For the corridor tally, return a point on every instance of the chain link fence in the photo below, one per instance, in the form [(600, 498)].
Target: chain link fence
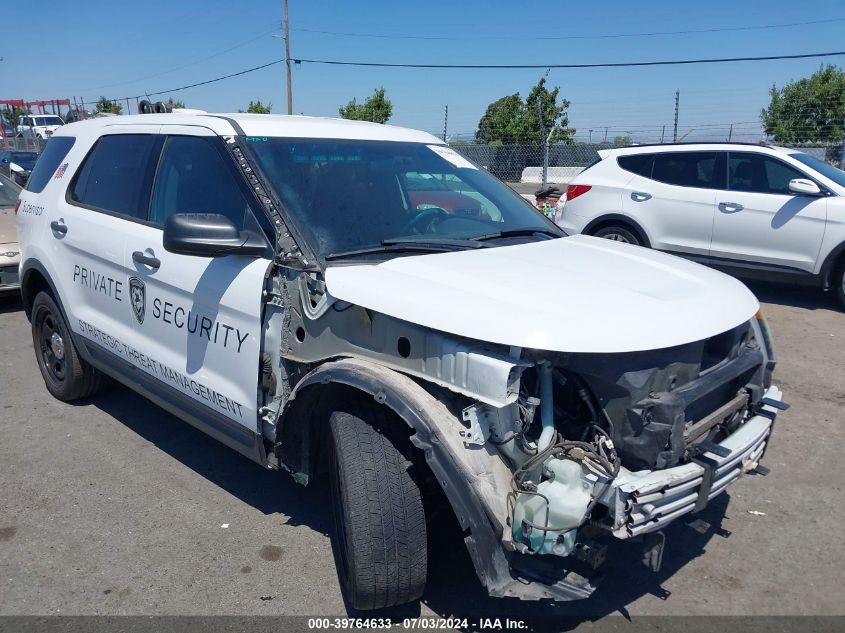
[(525, 163), (21, 143), (523, 166)]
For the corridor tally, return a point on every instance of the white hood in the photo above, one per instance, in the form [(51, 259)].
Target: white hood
[(577, 294)]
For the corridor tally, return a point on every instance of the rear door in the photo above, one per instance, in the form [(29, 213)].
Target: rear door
[(759, 220), (107, 197), (673, 196), (197, 320)]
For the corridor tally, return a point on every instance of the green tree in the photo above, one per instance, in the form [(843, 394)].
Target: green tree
[(377, 108), (104, 104), (256, 107), (808, 110), (511, 119), (622, 140), (170, 103), (13, 115)]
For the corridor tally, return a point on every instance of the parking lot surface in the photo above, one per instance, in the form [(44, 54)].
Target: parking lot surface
[(112, 506)]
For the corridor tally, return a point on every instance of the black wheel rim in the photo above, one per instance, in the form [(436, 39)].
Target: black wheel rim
[(49, 328), (616, 237)]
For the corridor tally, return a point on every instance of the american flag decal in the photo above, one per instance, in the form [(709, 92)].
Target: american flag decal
[(60, 171)]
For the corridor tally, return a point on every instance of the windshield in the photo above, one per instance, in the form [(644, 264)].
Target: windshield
[(47, 120), (826, 170), (9, 192), (352, 194)]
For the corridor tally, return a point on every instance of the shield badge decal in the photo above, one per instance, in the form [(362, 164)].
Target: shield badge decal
[(138, 298)]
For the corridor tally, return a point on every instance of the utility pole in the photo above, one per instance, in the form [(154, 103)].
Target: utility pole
[(287, 59), (445, 122), (730, 133), (677, 105), (591, 137), (662, 133)]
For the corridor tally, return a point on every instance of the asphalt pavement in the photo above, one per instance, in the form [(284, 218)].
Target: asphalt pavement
[(112, 506)]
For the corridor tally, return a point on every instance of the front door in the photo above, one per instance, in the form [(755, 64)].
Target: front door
[(198, 319), (759, 220)]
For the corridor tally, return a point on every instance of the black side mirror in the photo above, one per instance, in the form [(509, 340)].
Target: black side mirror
[(210, 235)]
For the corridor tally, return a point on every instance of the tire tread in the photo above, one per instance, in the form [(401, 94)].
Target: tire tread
[(385, 530)]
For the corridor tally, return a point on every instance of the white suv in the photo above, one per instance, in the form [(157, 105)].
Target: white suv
[(288, 285), (754, 210)]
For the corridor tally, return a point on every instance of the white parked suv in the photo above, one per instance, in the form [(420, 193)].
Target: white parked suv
[(287, 285), (756, 211), (39, 125)]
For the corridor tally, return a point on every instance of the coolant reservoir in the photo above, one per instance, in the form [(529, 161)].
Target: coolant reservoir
[(568, 492)]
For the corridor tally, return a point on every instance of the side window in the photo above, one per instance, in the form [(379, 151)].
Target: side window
[(54, 153), (194, 177), (637, 164), (117, 174), (705, 170), (760, 174)]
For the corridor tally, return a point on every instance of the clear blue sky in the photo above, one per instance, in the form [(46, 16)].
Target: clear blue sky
[(87, 49)]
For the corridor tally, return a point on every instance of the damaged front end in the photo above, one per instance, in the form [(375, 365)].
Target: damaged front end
[(544, 456), (627, 443)]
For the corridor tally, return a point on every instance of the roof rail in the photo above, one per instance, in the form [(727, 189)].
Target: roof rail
[(670, 144)]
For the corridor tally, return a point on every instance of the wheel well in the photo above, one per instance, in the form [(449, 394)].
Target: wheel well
[(33, 283), (833, 263), (618, 220), (302, 436)]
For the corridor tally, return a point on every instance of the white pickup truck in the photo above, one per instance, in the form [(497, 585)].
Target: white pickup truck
[(39, 125)]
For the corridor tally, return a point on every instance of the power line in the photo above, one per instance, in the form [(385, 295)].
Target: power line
[(485, 67), (193, 63), (195, 85), (674, 62), (568, 37)]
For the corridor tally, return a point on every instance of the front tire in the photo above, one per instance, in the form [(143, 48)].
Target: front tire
[(378, 509), (67, 376), (618, 233)]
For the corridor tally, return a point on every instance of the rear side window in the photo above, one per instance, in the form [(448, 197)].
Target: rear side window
[(637, 164), (705, 170), (117, 174), (47, 164), (760, 174)]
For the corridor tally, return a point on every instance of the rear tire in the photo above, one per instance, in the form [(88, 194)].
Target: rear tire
[(378, 509), (67, 376), (839, 283), (618, 233)]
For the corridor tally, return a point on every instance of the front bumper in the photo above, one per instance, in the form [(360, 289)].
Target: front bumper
[(646, 500), (9, 274), (640, 502)]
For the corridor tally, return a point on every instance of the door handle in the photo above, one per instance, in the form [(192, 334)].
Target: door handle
[(59, 226), (640, 196), (730, 207), (146, 260)]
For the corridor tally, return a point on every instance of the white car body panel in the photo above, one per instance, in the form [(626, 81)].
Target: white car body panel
[(576, 294)]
